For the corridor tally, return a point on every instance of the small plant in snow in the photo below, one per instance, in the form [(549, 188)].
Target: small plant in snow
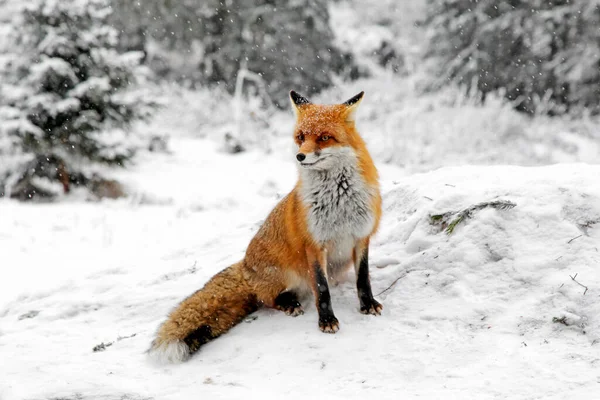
[(449, 220), (561, 320), (65, 99)]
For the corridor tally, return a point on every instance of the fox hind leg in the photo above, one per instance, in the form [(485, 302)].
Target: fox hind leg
[(287, 302)]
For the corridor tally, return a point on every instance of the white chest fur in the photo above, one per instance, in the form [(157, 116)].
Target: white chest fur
[(339, 204)]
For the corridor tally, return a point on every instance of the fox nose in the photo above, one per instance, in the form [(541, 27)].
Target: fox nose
[(300, 157)]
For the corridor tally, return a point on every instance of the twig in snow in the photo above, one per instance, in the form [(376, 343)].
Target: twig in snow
[(119, 338), (447, 184), (392, 284), (102, 346), (389, 287), (177, 274), (30, 314), (428, 198), (579, 283), (576, 237)]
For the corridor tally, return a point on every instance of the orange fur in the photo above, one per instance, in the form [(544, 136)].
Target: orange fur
[(281, 254)]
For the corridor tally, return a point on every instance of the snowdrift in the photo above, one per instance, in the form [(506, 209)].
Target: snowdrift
[(495, 301)]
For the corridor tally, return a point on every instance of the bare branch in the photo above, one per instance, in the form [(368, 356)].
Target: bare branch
[(576, 237), (393, 283), (579, 283)]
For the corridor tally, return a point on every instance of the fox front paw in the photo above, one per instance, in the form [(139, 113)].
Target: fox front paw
[(371, 306), (329, 324)]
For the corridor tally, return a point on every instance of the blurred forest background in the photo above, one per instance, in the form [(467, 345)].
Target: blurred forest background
[(86, 85)]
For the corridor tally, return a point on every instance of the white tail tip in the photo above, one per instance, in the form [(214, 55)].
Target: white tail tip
[(173, 352)]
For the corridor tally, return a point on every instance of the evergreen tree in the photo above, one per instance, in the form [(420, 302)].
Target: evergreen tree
[(288, 43), (65, 98), (544, 55)]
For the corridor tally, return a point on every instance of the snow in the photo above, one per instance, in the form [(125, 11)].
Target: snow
[(52, 66), (94, 86), (466, 315), (56, 45), (505, 306)]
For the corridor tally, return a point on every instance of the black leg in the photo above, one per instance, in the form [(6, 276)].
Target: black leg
[(368, 305), (288, 303), (327, 321)]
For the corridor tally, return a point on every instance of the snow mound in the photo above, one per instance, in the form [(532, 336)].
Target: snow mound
[(518, 270)]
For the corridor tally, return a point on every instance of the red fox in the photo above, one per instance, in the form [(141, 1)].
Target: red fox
[(313, 235)]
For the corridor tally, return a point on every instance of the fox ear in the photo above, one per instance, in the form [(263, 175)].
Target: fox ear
[(351, 106), (298, 101)]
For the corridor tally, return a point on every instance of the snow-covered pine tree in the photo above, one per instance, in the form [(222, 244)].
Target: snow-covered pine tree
[(543, 55), (65, 98)]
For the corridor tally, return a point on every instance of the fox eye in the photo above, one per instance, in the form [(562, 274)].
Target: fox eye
[(300, 137), (325, 138)]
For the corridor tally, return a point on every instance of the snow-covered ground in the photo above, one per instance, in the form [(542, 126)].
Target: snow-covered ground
[(505, 307), (489, 311)]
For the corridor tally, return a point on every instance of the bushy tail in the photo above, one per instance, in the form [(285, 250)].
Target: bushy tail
[(222, 303)]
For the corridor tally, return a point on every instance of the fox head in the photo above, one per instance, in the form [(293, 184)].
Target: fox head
[(325, 134)]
